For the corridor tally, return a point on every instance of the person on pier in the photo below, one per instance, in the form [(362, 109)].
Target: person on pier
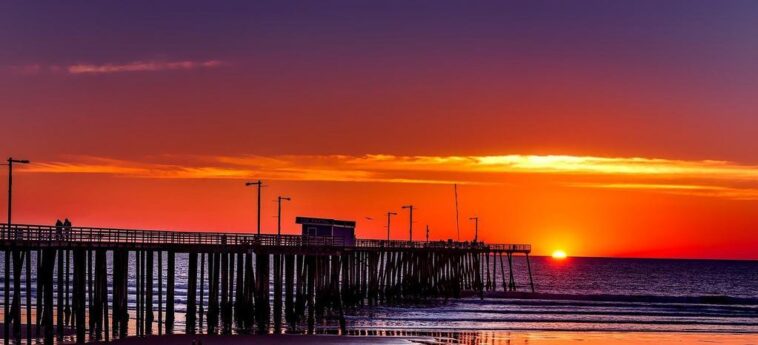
[(67, 229), (58, 230)]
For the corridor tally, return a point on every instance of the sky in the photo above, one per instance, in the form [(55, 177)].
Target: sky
[(601, 128)]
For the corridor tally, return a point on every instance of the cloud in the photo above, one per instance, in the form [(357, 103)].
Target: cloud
[(141, 66), (681, 189), (693, 177), (110, 68)]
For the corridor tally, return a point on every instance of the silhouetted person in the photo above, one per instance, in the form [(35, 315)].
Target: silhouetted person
[(67, 228), (58, 230)]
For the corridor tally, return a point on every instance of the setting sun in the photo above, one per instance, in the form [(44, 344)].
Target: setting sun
[(559, 254)]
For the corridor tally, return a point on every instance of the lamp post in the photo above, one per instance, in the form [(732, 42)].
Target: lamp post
[(259, 184), (6, 326), (410, 223), (389, 214), (476, 227), (279, 215), (11, 161)]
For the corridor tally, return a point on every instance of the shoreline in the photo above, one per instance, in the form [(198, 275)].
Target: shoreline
[(702, 299)]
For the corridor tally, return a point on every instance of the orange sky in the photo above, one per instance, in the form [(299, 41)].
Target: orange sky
[(604, 129), (585, 205)]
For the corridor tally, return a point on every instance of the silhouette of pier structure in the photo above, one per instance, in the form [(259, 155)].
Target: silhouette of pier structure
[(82, 278)]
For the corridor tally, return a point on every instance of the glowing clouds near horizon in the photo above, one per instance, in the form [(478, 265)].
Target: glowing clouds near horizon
[(700, 178), (548, 201)]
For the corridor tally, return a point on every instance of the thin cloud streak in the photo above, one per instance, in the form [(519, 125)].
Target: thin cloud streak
[(680, 189), (141, 66), (662, 175), (111, 68)]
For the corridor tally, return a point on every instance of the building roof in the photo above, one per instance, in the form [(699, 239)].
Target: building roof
[(325, 221)]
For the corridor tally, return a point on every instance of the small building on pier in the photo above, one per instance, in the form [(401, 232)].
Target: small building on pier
[(344, 229)]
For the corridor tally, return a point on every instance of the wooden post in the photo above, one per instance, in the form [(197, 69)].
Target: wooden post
[(117, 265), (214, 260), (262, 300), (29, 296), (224, 291), (502, 272), (100, 294), (124, 308), (149, 317), (159, 277), (60, 287), (171, 267), (277, 293), (239, 292), (138, 291), (300, 301), (511, 281), (48, 267), (80, 287), (311, 266), (40, 295), (249, 309), (289, 281), (6, 296), (90, 290), (529, 267), (67, 287), (202, 287), (191, 290), (18, 266)]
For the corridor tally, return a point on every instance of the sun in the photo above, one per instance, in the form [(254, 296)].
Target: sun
[(559, 255)]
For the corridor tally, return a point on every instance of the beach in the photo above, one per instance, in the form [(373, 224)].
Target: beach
[(539, 338)]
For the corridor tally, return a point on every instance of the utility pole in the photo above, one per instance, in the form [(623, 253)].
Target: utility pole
[(10, 188), (259, 184), (457, 224), (389, 214), (279, 215), (476, 227), (427, 233), (410, 224)]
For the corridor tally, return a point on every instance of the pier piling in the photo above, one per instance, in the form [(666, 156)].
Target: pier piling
[(313, 279)]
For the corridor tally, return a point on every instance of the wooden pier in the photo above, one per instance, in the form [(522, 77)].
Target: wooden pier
[(236, 282)]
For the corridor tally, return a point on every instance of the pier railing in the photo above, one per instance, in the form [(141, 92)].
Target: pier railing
[(47, 233), (399, 244), (26, 232)]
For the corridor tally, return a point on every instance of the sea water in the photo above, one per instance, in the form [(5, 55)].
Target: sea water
[(575, 294)]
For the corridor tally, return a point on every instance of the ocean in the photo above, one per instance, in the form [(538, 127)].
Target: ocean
[(575, 294), (598, 294)]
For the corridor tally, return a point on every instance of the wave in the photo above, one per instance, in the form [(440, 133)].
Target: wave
[(698, 299)]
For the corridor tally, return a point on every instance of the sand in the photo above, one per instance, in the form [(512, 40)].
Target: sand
[(271, 340), (487, 337)]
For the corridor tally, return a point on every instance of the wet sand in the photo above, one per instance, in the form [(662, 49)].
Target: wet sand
[(617, 338), (66, 331), (272, 340), (499, 337)]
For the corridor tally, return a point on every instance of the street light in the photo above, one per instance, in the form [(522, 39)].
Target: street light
[(10, 188), (389, 214), (476, 227), (259, 184), (410, 226), (6, 328), (279, 215)]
